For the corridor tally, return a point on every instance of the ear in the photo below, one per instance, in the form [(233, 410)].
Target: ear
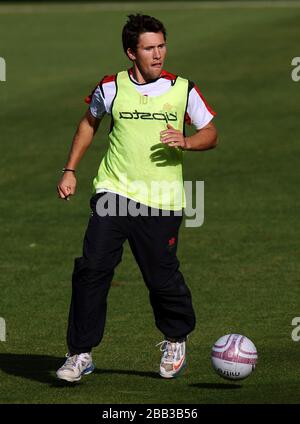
[(130, 54)]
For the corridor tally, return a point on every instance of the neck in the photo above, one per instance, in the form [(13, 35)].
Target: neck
[(139, 76)]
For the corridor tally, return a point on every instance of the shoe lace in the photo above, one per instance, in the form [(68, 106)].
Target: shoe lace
[(73, 360), (168, 348)]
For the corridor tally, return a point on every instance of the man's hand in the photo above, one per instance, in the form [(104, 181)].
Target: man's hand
[(173, 137), (67, 185), (203, 139)]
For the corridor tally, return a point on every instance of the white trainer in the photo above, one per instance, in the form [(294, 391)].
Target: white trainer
[(173, 359), (75, 366)]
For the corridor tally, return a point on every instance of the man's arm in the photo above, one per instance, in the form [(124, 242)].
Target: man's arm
[(203, 139), (81, 141)]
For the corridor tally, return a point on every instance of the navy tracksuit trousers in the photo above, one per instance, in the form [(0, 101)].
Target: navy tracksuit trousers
[(153, 241)]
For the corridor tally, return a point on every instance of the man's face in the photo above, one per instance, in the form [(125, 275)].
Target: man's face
[(150, 54)]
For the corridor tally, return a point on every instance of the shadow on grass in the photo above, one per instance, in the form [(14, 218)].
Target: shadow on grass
[(42, 368), (216, 386)]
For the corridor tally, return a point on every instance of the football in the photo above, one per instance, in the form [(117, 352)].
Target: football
[(234, 356)]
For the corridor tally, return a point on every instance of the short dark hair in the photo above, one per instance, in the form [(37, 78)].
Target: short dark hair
[(136, 25)]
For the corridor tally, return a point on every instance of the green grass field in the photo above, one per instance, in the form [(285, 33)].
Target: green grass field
[(242, 265)]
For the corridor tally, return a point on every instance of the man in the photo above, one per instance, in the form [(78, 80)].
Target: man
[(148, 107)]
